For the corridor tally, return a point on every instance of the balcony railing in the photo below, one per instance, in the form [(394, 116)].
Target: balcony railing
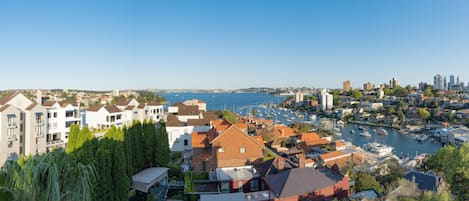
[(55, 142), (12, 125), (11, 137)]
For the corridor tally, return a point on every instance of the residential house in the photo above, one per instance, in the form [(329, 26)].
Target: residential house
[(238, 179), (60, 117), (99, 116), (230, 147), (182, 120), (341, 158), (424, 181), (307, 184)]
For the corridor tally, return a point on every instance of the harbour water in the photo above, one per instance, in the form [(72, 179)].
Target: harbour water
[(244, 103), (404, 144)]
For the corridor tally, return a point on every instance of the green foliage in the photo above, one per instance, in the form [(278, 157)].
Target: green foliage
[(146, 96), (228, 115), (53, 176), (151, 197), (77, 137), (454, 163), (357, 94), (428, 92), (366, 181), (163, 154), (423, 113)]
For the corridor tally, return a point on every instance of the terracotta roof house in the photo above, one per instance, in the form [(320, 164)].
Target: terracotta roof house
[(307, 184), (229, 148), (341, 158)]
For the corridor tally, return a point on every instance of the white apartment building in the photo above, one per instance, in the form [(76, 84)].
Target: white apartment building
[(133, 110), (60, 117), (22, 127), (182, 120), (99, 116), (327, 100)]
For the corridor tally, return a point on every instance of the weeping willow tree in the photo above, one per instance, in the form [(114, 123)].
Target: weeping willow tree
[(50, 177)]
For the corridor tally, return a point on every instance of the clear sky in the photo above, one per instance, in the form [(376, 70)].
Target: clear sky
[(91, 44)]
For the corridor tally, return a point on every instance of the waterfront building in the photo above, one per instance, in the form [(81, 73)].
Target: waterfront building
[(22, 127), (299, 97), (346, 86), (200, 103), (60, 117)]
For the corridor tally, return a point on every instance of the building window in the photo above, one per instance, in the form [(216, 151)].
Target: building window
[(11, 120), (242, 149), (21, 127), (11, 134), (48, 115), (38, 118), (225, 187), (221, 150), (55, 125), (119, 117), (254, 185), (186, 142), (240, 186), (21, 116), (55, 114), (69, 114), (39, 130)]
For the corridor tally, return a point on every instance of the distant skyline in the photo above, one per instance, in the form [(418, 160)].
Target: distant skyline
[(105, 45)]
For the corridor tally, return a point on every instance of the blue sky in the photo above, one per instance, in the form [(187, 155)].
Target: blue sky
[(229, 44)]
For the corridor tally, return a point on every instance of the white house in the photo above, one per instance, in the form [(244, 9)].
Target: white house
[(99, 116), (60, 117)]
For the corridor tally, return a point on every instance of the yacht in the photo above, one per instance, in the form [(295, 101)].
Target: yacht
[(361, 128), (421, 137), (338, 134), (381, 131), (380, 149), (365, 134), (352, 131)]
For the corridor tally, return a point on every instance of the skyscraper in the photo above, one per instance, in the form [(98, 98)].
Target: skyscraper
[(438, 82), (451, 80), (346, 86), (367, 86), (393, 83), (326, 100)]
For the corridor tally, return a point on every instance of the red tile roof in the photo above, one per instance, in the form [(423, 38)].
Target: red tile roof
[(199, 140)]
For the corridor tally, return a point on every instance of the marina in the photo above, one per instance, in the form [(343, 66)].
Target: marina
[(402, 140)]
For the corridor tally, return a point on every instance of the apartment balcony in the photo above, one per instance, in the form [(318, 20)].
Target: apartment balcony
[(12, 125), (11, 138), (55, 142)]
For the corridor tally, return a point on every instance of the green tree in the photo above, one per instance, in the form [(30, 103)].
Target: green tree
[(428, 92), (366, 181), (163, 153), (53, 176), (423, 113), (73, 138), (357, 94), (228, 115)]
